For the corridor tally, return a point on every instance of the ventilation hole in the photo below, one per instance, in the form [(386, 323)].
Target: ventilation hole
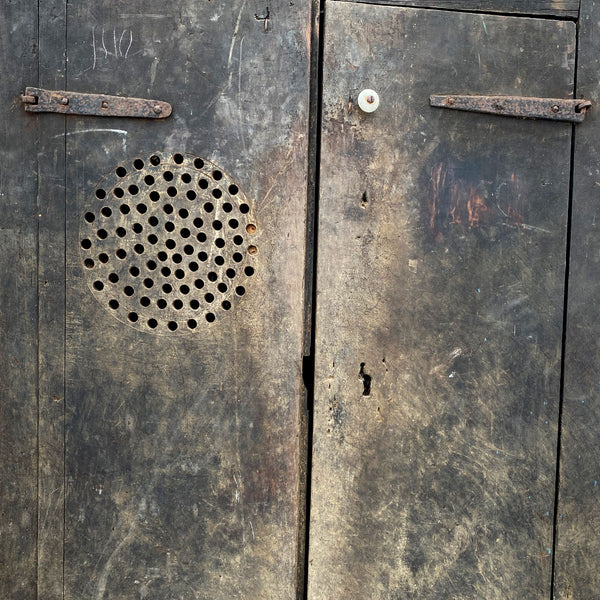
[(202, 256), (238, 240), (192, 323), (240, 290), (222, 287), (217, 225), (168, 176), (98, 285), (178, 158), (194, 304), (134, 271), (183, 213), (120, 231), (152, 323), (118, 192), (177, 258), (210, 317), (138, 163), (103, 258), (251, 228), (199, 283), (184, 289), (227, 207), (233, 223), (219, 260), (100, 194), (177, 304), (185, 233), (133, 189), (233, 189), (193, 266), (170, 226), (151, 265), (137, 228), (121, 253), (141, 208), (198, 163), (220, 243), (90, 217), (114, 304), (149, 180), (124, 208), (170, 244), (244, 209), (230, 273), (212, 276), (172, 191), (86, 244), (172, 325), (154, 196), (167, 288), (191, 195), (189, 250), (145, 301), (162, 256), (102, 234), (161, 303), (138, 249), (217, 193), (186, 178), (237, 257), (165, 272), (209, 298), (203, 184), (252, 250), (155, 160), (152, 239), (217, 175), (168, 208), (133, 317), (113, 278), (201, 237), (226, 304), (179, 274), (128, 290), (121, 171), (198, 222), (148, 282), (153, 221), (249, 271), (89, 263), (209, 207), (106, 211)]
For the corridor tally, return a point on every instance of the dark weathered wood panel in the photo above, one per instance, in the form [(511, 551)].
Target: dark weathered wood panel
[(578, 515), (51, 286), (439, 308), (18, 304), (551, 8), (183, 451)]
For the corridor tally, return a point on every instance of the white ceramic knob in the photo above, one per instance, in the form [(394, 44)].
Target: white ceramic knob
[(368, 100)]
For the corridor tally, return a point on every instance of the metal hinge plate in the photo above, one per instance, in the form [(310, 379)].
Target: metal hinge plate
[(517, 106), (99, 105)]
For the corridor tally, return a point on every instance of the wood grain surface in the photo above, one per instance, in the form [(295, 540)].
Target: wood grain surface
[(439, 308)]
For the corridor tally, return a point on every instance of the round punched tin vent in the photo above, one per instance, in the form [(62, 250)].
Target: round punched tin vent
[(166, 243)]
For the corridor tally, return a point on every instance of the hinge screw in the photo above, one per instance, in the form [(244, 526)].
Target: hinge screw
[(104, 104), (64, 101), (450, 101), (555, 108), (157, 109)]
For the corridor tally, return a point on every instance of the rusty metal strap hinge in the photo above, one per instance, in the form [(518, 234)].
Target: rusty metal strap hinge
[(554, 109), (99, 105)]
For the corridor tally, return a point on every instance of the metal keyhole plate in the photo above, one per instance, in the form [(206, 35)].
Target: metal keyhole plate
[(166, 243)]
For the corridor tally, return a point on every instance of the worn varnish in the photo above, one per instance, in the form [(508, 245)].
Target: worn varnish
[(578, 511), (439, 308)]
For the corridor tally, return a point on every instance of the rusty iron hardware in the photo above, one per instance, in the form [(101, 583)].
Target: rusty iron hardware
[(99, 105), (517, 106)]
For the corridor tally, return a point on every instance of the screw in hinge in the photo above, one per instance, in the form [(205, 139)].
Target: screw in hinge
[(64, 101), (556, 108), (104, 104), (157, 109), (450, 101)]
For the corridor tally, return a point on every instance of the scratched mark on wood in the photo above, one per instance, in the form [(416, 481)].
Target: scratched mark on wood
[(440, 293), (182, 456)]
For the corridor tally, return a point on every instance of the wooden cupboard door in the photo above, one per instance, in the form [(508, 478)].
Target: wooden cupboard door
[(440, 290)]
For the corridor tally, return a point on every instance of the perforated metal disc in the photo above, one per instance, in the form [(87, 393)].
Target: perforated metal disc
[(166, 243)]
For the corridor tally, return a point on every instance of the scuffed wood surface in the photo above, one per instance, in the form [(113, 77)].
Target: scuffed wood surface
[(551, 8), (18, 305), (182, 453), (578, 516), (439, 309)]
